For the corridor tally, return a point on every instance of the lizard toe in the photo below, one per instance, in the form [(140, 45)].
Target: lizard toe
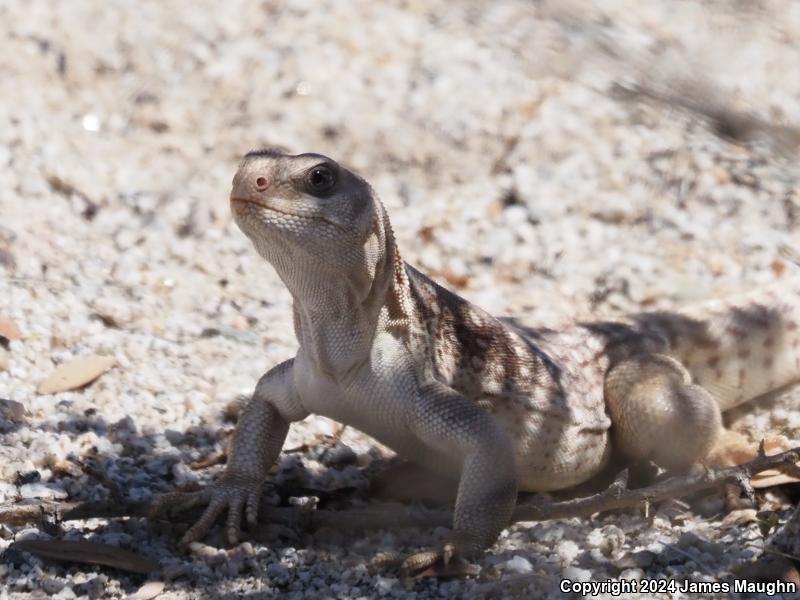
[(251, 507), (199, 529), (233, 528), (233, 493), (444, 561)]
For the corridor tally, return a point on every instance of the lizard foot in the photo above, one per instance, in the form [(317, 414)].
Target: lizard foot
[(444, 561), (232, 492)]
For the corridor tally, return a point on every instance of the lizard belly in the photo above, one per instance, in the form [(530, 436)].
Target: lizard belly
[(555, 452)]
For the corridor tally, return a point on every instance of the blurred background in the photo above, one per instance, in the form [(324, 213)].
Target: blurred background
[(516, 144), (550, 159)]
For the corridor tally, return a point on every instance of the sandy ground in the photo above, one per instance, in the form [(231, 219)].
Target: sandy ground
[(551, 159)]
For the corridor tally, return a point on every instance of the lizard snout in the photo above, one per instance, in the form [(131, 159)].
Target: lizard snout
[(248, 184)]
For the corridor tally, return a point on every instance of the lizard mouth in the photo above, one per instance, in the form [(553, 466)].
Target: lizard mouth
[(261, 204), (236, 200)]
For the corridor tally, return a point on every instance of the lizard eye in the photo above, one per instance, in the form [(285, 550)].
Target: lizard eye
[(320, 179)]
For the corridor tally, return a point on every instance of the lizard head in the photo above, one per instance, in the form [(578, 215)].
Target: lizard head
[(316, 222)]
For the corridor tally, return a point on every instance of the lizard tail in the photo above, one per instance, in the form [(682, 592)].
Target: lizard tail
[(743, 347)]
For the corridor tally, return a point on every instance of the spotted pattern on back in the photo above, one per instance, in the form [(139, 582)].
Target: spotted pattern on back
[(556, 416)]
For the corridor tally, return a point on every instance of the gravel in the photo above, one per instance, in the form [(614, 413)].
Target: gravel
[(556, 159)]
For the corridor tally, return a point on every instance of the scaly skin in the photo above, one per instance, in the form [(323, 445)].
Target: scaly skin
[(499, 405)]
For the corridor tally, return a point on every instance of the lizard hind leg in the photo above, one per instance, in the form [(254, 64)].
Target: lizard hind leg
[(658, 414)]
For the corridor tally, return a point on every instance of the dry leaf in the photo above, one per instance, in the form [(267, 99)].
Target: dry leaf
[(735, 449), (148, 591), (76, 374), (87, 552), (9, 330), (771, 478), (736, 518)]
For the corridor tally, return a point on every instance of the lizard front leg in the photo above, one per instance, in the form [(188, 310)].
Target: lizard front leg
[(454, 427), (260, 433)]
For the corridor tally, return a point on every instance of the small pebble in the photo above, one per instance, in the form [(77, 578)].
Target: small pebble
[(518, 564), (576, 574), (42, 490), (567, 551)]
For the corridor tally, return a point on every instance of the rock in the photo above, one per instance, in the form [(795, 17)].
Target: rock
[(518, 564), (338, 455), (632, 574), (384, 585), (568, 551), (576, 574), (27, 477), (279, 575), (11, 409), (641, 559), (41, 490)]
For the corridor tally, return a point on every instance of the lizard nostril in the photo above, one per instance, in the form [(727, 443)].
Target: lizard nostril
[(261, 183)]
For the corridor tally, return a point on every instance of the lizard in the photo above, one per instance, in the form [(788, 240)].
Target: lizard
[(500, 406)]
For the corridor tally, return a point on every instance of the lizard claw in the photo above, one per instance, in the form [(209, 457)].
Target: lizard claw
[(234, 493)]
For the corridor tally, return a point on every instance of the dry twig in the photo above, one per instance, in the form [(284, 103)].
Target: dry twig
[(615, 497)]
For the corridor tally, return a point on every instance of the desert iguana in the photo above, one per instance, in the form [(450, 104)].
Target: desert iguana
[(497, 405)]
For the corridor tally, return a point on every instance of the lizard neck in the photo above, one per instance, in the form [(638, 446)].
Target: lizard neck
[(333, 331), (336, 319)]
